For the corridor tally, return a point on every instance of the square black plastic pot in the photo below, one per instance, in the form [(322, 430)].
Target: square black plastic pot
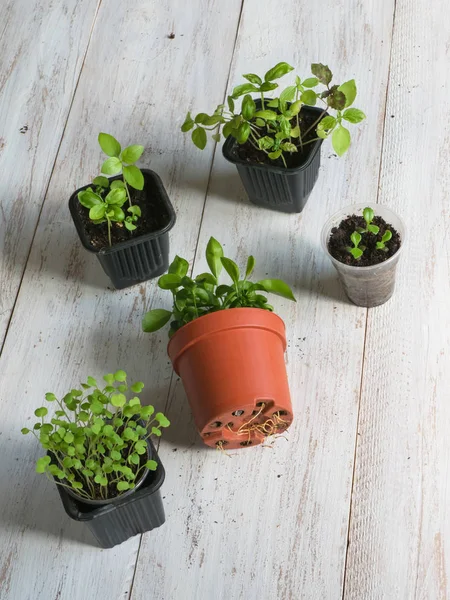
[(278, 188), (112, 524), (141, 258)]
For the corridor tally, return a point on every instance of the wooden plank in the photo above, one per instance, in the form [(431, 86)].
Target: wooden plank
[(137, 83), (42, 47), (273, 523), (400, 529)]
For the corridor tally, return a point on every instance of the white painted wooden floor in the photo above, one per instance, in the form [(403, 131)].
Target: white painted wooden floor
[(355, 504)]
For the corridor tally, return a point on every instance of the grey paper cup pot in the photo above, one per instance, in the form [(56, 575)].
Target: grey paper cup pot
[(366, 286)]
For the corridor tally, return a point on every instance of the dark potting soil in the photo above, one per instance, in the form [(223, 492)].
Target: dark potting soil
[(250, 154), (340, 240), (153, 218)]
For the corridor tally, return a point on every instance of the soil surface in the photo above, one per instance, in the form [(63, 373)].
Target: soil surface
[(250, 154), (154, 217), (340, 240)]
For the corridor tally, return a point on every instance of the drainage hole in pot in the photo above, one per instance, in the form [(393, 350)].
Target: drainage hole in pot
[(230, 425), (221, 443), (237, 413), (260, 403), (248, 443), (280, 413), (256, 412), (216, 424)]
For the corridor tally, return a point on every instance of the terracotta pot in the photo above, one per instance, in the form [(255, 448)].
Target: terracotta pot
[(232, 366)]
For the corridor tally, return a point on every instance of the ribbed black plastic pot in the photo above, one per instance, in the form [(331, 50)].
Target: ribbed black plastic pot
[(140, 258), (279, 188), (113, 523)]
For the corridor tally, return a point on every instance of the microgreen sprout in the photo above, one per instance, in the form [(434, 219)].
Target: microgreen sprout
[(195, 297), (105, 201), (96, 441), (387, 235), (355, 251), (275, 127), (369, 215)]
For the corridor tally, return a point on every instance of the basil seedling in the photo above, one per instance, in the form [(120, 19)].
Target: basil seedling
[(355, 251), (369, 215), (195, 297), (387, 235), (276, 127)]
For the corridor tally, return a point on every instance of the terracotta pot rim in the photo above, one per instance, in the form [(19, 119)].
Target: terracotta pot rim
[(229, 313)]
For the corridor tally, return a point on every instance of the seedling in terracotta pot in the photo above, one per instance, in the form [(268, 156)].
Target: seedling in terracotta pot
[(228, 349), (97, 439), (365, 248), (124, 219)]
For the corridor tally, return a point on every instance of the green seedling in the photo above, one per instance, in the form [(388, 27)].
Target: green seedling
[(369, 215), (275, 127), (387, 235), (195, 297), (356, 251), (96, 440), (105, 201)]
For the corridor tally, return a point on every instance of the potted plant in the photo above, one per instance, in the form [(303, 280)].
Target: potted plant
[(275, 142), (100, 456), (124, 219), (364, 244), (228, 348)]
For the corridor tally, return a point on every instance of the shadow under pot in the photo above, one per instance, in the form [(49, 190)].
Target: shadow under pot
[(270, 184), (369, 280), (134, 256), (231, 363), (133, 512)]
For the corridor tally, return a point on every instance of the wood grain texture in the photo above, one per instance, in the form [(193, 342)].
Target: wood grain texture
[(42, 47), (272, 523), (400, 526), (137, 83)]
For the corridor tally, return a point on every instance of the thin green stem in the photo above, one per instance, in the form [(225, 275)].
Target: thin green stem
[(129, 197), (109, 231), (262, 101), (315, 123)]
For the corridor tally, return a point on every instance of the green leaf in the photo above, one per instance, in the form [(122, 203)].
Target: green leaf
[(309, 97), (206, 278), (109, 145), (134, 177), (112, 166), (118, 400), (267, 115), (278, 287), (341, 140), (242, 133), (122, 486), (266, 142), (69, 437), (322, 72), (368, 214), (25, 430), (41, 412), (274, 155), (88, 198), (355, 238), (373, 229), (326, 124), (147, 411), (120, 375), (256, 79), (310, 82), (216, 137), (248, 107), (169, 281), (336, 100), (282, 68), (109, 378), (117, 183), (116, 196), (349, 90), (201, 118), (288, 94), (42, 463), (91, 381), (214, 252), (295, 132), (231, 268), (188, 123), (97, 212), (199, 137), (101, 181), (353, 115), (50, 397), (132, 153), (151, 465), (230, 102), (162, 420), (268, 86), (155, 319), (179, 266), (118, 214), (250, 266), (289, 147), (244, 88)]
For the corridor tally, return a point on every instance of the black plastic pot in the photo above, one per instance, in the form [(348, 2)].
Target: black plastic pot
[(141, 258), (122, 518), (279, 188)]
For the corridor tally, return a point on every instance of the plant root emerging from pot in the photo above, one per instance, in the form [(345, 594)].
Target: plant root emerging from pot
[(255, 430)]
